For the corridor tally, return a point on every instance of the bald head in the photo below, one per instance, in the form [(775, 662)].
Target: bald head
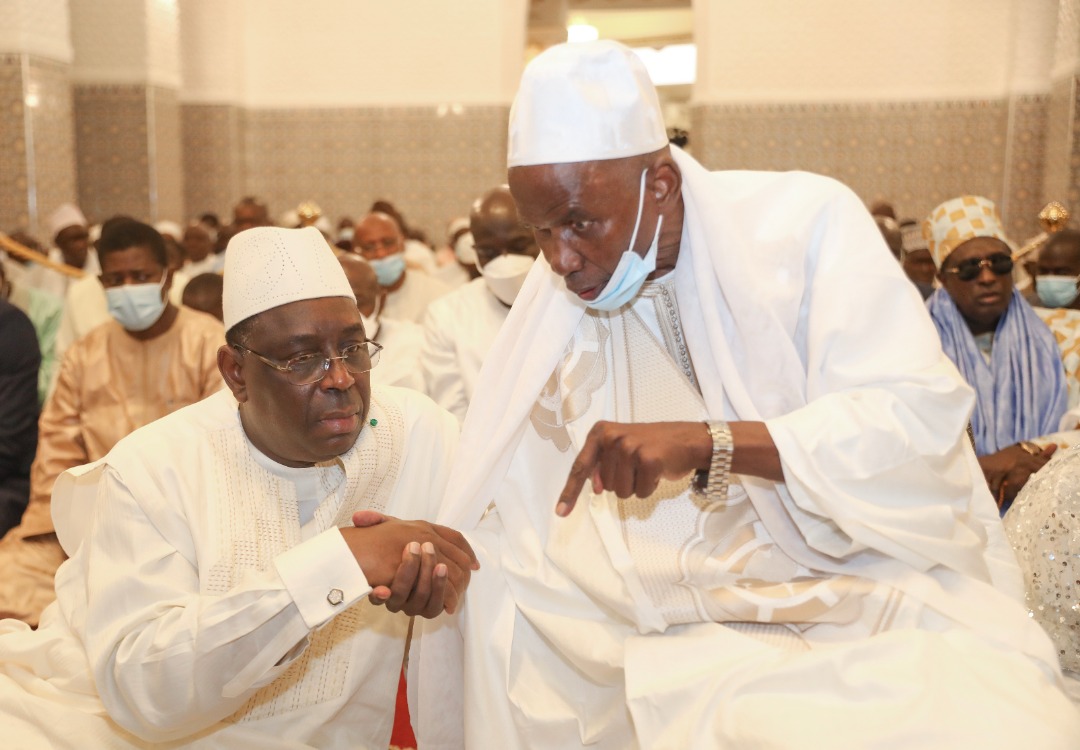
[(363, 281), (378, 235), (496, 228)]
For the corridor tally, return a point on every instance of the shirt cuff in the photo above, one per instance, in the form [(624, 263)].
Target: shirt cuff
[(322, 576)]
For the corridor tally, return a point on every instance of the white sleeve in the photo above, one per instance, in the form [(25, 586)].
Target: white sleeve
[(442, 371), (169, 660)]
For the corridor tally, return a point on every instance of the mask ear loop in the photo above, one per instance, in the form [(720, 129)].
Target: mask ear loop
[(640, 206)]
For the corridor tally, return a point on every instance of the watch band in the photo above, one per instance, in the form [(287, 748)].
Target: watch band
[(715, 483)]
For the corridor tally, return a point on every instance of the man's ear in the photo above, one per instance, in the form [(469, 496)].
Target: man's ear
[(666, 183), (230, 365)]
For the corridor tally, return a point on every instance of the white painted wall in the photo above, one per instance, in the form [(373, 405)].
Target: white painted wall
[(212, 55), (869, 50), (342, 53), (126, 41), (37, 27)]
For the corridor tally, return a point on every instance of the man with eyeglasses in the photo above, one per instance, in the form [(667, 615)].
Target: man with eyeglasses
[(148, 359), (997, 341), (460, 327), (378, 238), (227, 561)]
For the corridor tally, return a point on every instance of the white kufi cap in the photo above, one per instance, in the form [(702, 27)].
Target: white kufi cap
[(266, 267), (584, 102), (65, 216), (170, 228)]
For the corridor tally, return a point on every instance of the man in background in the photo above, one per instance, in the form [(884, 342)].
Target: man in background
[(379, 240), (150, 359), (401, 340), (460, 327)]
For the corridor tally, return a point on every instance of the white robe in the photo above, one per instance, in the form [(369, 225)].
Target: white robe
[(399, 363), (410, 301), (794, 314), (459, 330), (54, 282), (195, 603)]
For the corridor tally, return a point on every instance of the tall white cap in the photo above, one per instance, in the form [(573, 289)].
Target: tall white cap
[(67, 215), (266, 267), (584, 102)]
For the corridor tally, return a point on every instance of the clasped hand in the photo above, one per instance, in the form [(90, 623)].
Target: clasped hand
[(414, 567)]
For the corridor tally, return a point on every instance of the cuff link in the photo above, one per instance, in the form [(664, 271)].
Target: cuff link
[(335, 597)]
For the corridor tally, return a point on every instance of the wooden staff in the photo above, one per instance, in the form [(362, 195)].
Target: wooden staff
[(21, 251)]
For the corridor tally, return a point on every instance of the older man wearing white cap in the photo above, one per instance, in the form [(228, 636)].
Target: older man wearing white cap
[(781, 536), (211, 598)]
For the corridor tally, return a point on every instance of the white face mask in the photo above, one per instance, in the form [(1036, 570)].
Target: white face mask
[(371, 325), (505, 275), (137, 306)]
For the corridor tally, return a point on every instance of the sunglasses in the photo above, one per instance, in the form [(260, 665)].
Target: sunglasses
[(968, 270)]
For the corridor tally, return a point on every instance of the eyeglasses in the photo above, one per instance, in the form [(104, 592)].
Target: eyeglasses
[(968, 270), (311, 368)]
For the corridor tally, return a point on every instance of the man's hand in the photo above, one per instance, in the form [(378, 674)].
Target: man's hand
[(631, 459), (1008, 470), (413, 566)]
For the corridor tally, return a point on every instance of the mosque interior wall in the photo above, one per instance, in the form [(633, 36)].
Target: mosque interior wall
[(212, 142), (112, 145), (173, 108), (166, 165), (14, 208), (52, 122)]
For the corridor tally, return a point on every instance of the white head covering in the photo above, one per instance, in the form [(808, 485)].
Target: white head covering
[(584, 102), (266, 267), (912, 237), (956, 221), (170, 228), (67, 215)]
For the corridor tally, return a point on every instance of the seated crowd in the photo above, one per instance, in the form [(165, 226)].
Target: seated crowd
[(226, 449)]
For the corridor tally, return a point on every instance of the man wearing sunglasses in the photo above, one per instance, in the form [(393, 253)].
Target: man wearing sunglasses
[(222, 558), (997, 341)]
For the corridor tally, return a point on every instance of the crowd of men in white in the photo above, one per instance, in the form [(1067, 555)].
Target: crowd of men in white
[(657, 457)]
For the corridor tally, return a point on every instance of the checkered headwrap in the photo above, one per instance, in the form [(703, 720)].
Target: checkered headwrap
[(956, 221)]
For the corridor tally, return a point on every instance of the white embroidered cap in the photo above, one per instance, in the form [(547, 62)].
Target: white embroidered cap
[(266, 267), (585, 101), (67, 215)]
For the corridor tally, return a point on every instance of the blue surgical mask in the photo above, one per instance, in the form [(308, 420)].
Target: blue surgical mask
[(1056, 291), (137, 306), (629, 276), (389, 269)]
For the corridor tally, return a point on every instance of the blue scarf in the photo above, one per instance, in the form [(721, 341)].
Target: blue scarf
[(1021, 394)]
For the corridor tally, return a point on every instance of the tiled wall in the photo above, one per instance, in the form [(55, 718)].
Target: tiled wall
[(14, 206), (36, 175), (53, 124), (213, 147), (430, 165), (1061, 176), (166, 162), (112, 150), (915, 154)]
